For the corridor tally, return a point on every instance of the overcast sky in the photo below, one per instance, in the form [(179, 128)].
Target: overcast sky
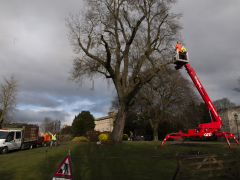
[(34, 46)]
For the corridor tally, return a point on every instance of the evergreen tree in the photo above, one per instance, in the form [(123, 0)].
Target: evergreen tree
[(66, 130), (82, 123)]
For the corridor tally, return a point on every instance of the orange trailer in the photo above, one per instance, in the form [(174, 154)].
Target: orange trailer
[(47, 138)]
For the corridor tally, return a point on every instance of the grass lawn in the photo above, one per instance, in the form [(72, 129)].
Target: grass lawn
[(128, 161)]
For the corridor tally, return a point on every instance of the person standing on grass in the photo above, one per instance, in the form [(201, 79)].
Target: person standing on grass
[(131, 135), (54, 139)]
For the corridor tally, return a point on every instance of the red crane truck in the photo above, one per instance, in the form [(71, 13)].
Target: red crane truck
[(207, 129)]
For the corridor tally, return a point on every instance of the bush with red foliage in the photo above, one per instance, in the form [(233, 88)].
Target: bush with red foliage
[(93, 135)]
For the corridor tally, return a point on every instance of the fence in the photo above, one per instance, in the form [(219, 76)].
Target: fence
[(208, 166)]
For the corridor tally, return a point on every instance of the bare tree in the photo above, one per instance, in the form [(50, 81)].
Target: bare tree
[(223, 103), (57, 126), (167, 96), (125, 40), (8, 96), (49, 125), (237, 89), (46, 125)]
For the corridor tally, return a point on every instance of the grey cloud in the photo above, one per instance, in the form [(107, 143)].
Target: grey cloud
[(34, 99), (31, 116), (101, 107)]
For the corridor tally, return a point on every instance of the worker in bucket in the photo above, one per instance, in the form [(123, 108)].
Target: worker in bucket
[(178, 46), (184, 53), (54, 139)]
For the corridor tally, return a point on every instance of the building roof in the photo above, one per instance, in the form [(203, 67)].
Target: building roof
[(111, 115)]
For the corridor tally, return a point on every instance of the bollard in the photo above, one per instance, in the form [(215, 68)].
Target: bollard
[(45, 164)]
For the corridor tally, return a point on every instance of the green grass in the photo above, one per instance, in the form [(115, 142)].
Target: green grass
[(131, 160)]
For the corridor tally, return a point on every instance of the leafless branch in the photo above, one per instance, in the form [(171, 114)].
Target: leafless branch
[(8, 96)]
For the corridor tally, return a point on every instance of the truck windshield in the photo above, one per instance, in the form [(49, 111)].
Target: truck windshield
[(3, 134)]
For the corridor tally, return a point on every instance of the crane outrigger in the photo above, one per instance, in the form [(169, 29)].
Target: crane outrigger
[(207, 129)]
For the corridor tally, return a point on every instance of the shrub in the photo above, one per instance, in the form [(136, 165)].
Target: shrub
[(67, 138), (61, 137), (104, 137), (92, 135), (125, 137), (81, 139)]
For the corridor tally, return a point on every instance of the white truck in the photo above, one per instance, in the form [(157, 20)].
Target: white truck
[(18, 136)]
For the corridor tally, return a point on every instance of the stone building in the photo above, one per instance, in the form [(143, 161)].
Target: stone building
[(229, 123), (105, 123)]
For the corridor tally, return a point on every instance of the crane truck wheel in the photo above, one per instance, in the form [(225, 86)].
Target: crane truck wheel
[(4, 150)]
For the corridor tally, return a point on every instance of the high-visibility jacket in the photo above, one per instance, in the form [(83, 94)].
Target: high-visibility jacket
[(54, 137), (179, 46), (183, 49)]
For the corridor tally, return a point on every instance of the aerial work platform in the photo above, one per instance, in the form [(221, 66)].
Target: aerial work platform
[(180, 59), (208, 129)]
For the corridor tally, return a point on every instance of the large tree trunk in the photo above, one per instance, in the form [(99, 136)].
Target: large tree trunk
[(1, 124), (155, 134), (117, 134), (155, 129)]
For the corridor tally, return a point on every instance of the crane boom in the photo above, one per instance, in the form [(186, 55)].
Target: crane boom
[(206, 99)]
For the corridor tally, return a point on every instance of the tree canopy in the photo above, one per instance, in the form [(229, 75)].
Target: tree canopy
[(223, 103), (238, 88), (165, 98), (125, 40)]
